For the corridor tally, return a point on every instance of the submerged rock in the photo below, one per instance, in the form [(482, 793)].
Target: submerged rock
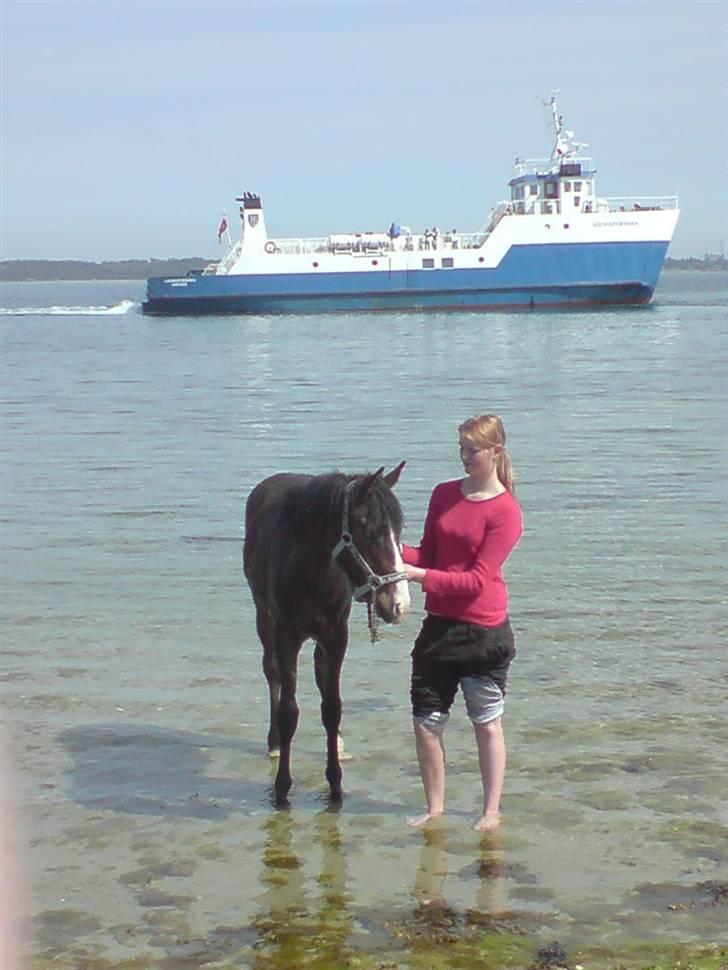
[(552, 955)]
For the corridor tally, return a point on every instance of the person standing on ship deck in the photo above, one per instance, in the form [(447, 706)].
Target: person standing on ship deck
[(466, 640)]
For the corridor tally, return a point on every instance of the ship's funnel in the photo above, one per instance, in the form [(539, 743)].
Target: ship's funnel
[(254, 233)]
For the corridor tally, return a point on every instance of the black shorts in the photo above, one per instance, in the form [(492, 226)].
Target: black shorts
[(447, 650)]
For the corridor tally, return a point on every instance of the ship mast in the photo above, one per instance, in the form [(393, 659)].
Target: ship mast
[(555, 120), (564, 144)]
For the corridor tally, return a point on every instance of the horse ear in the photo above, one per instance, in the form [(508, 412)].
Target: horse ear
[(391, 478), (371, 480)]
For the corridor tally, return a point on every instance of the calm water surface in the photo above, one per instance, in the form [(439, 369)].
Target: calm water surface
[(133, 701)]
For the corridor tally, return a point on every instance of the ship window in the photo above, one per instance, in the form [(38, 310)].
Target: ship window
[(428, 264), (577, 200), (551, 190), (534, 190), (448, 262), (577, 186), (567, 186)]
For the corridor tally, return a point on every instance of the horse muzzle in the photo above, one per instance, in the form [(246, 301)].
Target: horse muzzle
[(392, 601)]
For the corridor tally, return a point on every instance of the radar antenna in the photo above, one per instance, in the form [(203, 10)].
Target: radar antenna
[(564, 144)]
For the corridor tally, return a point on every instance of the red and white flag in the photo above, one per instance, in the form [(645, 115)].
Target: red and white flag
[(221, 229)]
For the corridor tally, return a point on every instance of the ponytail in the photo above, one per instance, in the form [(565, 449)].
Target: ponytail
[(504, 471)]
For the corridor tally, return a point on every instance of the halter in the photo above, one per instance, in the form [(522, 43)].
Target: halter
[(373, 582)]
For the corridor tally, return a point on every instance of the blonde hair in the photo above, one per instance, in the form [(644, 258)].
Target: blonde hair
[(487, 431)]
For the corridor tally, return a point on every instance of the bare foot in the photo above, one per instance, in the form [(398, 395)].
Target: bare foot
[(420, 821), (486, 823)]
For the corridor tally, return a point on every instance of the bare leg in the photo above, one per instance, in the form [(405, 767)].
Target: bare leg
[(431, 757), (492, 757)]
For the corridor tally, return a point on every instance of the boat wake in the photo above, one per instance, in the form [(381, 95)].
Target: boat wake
[(117, 310)]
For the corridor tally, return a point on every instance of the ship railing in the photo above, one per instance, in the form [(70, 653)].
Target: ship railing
[(229, 259), (642, 203), (422, 242), (294, 247), (538, 206), (471, 240), (542, 166), (363, 246)]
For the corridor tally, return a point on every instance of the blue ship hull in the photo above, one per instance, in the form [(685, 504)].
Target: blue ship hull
[(532, 277)]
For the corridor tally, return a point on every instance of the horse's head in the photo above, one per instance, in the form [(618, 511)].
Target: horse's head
[(375, 526)]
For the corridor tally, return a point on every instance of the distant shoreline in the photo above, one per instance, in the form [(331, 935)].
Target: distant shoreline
[(50, 270)]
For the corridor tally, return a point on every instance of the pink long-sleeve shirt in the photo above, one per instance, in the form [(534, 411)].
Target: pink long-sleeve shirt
[(463, 548)]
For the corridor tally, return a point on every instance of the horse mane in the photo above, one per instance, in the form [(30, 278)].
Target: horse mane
[(321, 499)]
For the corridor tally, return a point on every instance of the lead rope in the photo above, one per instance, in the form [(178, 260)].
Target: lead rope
[(373, 619)]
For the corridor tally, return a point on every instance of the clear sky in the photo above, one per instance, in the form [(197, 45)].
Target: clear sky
[(128, 126)]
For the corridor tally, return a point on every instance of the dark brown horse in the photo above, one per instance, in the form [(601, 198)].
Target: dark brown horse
[(312, 543)]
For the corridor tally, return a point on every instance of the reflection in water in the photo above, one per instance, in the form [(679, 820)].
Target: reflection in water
[(489, 870), (297, 925), (307, 920), (430, 879)]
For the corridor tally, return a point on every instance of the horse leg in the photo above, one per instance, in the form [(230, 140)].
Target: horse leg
[(270, 669), (287, 658), (328, 658)]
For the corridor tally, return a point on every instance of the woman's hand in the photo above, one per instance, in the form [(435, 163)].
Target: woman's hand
[(414, 573)]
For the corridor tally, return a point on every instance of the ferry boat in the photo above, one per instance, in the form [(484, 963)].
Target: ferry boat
[(554, 244)]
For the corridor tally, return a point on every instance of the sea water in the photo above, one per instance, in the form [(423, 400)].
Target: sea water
[(133, 700)]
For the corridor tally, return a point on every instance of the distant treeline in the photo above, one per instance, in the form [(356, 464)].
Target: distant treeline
[(20, 270), (692, 262)]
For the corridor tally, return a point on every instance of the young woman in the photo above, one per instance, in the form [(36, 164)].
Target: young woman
[(466, 639)]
